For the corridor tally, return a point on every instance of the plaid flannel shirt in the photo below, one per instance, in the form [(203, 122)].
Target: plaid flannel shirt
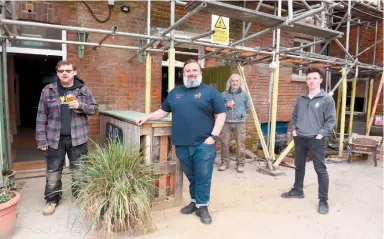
[(48, 119)]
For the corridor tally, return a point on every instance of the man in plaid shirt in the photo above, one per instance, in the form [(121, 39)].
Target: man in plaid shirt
[(62, 128)]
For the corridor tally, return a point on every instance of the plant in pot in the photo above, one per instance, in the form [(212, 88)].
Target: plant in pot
[(9, 200), (9, 174), (117, 189)]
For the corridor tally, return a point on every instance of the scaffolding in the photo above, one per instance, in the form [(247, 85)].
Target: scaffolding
[(329, 17)]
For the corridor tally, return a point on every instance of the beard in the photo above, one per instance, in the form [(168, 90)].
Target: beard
[(192, 83)]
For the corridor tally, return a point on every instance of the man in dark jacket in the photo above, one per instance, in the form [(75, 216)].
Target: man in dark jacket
[(312, 120), (237, 104), (62, 128)]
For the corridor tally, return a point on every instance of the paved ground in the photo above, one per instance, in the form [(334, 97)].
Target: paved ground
[(242, 206)]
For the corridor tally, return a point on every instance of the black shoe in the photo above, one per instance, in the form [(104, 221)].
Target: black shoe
[(323, 206), (293, 193), (191, 208), (203, 213)]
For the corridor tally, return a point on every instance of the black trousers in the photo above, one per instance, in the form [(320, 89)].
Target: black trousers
[(55, 162), (303, 145)]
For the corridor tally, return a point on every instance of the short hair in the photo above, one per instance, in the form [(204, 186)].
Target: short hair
[(319, 70), (65, 63), (192, 61)]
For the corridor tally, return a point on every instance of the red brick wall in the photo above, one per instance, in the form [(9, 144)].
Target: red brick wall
[(119, 84)]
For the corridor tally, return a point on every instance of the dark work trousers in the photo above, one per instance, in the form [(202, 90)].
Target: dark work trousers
[(55, 162), (303, 145)]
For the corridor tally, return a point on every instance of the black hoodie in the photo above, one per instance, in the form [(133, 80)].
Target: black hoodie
[(66, 113)]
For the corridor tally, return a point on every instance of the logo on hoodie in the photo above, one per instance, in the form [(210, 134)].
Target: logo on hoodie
[(317, 105)]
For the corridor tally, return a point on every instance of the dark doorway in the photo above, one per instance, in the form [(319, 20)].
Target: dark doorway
[(34, 72)]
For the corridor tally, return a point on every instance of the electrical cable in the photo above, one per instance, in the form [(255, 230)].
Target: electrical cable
[(94, 16)]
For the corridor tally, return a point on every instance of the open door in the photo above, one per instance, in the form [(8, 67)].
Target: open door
[(217, 76)]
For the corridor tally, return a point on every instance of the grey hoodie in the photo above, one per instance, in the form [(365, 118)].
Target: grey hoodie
[(242, 105), (314, 116)]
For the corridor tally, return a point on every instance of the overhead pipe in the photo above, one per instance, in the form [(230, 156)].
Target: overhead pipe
[(112, 33)]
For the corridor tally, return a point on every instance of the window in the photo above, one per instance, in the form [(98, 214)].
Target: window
[(297, 71), (361, 97)]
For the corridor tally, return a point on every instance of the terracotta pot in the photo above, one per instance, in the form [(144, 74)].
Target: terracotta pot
[(8, 215)]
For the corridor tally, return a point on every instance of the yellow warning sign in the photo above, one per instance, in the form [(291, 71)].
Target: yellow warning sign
[(220, 23), (221, 27)]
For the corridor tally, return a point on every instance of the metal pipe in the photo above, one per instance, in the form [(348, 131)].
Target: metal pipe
[(14, 16), (336, 29), (290, 9), (148, 20), (374, 49), (274, 31), (113, 30), (245, 33), (202, 35), (365, 31), (369, 108), (8, 132), (345, 49), (181, 3), (309, 8), (326, 80), (368, 48), (352, 109), (322, 22), (243, 30), (172, 26), (76, 29), (343, 77), (309, 44), (148, 65), (95, 44), (287, 22), (342, 120), (171, 51), (148, 83)]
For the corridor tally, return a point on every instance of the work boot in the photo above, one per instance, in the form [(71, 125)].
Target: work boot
[(223, 167), (323, 206), (191, 208), (240, 168), (203, 213), (293, 193), (49, 208)]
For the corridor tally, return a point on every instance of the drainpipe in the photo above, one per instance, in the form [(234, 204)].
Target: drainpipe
[(8, 161)]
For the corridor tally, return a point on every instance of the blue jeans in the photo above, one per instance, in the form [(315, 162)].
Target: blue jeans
[(197, 164)]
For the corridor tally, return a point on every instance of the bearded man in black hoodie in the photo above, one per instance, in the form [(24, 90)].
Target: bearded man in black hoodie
[(62, 128)]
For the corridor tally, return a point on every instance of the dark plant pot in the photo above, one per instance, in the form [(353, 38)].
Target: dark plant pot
[(11, 177)]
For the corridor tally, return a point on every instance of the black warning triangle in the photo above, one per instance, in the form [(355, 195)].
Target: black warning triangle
[(220, 23)]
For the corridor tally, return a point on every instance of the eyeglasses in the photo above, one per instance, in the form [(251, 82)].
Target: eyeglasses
[(62, 71)]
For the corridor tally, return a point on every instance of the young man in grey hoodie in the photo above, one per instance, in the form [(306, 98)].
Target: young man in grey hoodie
[(312, 120), (237, 104)]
